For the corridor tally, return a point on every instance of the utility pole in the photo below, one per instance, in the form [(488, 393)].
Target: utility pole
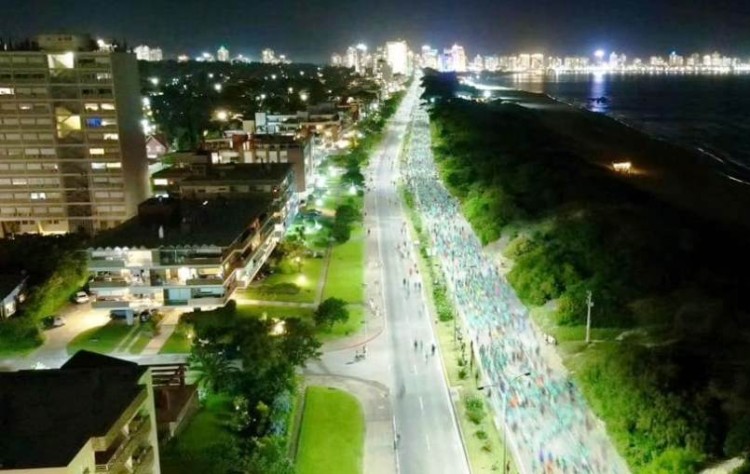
[(589, 305)]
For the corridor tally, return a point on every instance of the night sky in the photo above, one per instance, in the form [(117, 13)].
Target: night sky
[(310, 30)]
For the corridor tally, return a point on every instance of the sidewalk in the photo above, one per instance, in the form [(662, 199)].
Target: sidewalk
[(379, 456), (166, 328)]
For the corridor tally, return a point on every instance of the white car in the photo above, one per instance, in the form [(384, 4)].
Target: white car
[(82, 297)]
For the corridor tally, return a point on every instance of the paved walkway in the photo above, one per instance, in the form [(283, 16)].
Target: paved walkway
[(379, 456), (166, 329)]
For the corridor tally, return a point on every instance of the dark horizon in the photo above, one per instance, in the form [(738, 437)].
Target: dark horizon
[(307, 31)]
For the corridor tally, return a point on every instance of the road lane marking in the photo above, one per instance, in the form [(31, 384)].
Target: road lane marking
[(421, 404), (427, 438)]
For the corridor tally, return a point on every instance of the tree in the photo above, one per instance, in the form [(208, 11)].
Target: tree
[(331, 311), (214, 369), (269, 456), (340, 231)]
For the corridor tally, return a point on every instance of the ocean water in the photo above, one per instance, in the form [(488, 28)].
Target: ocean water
[(707, 112)]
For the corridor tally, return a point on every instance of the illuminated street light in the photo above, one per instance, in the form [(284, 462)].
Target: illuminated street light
[(154, 81), (222, 115), (303, 96), (217, 87)]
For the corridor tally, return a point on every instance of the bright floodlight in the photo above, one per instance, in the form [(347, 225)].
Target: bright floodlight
[(487, 94), (154, 81), (222, 115), (217, 87), (599, 53)]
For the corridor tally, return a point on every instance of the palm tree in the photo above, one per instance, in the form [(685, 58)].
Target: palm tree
[(213, 367)]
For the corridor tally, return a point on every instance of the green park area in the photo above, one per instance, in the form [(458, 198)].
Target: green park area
[(196, 449), (332, 433), (104, 339), (666, 349)]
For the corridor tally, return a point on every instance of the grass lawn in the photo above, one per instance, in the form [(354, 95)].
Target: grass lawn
[(307, 281), (346, 270), (177, 343), (332, 433), (189, 452), (102, 339), (141, 340), (355, 322), (253, 311)]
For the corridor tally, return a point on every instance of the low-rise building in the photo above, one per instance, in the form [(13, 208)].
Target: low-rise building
[(183, 252), (12, 292), (270, 148), (94, 414)]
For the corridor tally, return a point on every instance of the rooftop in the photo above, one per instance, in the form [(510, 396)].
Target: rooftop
[(9, 282), (243, 172), (185, 222), (46, 416)]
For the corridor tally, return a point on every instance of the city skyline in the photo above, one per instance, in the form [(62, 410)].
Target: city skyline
[(318, 29)]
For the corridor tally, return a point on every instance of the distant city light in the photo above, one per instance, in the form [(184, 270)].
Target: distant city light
[(362, 47), (599, 53), (154, 81)]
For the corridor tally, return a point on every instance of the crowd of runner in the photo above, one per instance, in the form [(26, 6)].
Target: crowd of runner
[(549, 426)]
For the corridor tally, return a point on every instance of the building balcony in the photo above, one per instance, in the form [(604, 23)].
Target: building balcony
[(100, 284), (114, 459), (207, 301), (111, 304), (209, 281), (143, 460)]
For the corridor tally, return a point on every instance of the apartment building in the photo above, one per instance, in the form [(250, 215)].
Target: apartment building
[(93, 415), (72, 151), (272, 148), (183, 252)]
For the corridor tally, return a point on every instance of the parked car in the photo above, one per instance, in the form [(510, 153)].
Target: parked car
[(81, 297), (51, 322), (120, 313), (146, 314)]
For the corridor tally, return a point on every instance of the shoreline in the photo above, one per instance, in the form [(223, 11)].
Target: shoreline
[(741, 172), (689, 179)]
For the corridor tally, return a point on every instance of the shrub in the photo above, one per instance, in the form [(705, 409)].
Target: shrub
[(331, 311), (463, 373), (340, 231), (475, 409), (481, 434)]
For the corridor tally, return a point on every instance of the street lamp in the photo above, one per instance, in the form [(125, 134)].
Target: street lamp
[(504, 401)]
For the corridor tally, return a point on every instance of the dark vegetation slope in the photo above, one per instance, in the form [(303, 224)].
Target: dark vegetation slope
[(668, 371)]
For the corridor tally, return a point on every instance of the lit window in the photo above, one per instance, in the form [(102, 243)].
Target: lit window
[(25, 106), (161, 182), (111, 136), (19, 181), (94, 122), (91, 107), (38, 196), (103, 76), (108, 106), (98, 166), (6, 91), (96, 151), (114, 166)]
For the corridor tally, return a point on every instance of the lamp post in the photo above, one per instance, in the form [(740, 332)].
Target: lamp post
[(504, 401)]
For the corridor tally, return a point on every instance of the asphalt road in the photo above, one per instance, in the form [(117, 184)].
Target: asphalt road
[(428, 441)]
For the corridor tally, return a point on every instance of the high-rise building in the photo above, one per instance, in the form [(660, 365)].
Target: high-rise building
[(536, 62), (477, 64), (146, 53), (429, 57), (524, 62), (72, 151), (397, 56), (222, 54), (336, 60), (675, 60), (458, 56), (491, 63), (268, 56)]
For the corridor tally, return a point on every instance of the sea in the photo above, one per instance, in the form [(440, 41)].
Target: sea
[(710, 113)]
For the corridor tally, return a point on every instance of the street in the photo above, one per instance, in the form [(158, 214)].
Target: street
[(427, 438)]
